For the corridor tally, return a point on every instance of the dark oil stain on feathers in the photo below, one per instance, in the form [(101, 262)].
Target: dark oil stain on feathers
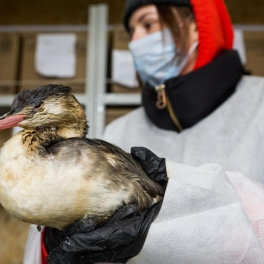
[(61, 137)]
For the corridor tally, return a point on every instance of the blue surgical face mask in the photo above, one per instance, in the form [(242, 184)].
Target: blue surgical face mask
[(154, 57)]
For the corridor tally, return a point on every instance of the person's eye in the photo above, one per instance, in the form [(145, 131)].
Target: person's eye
[(148, 26), (151, 26)]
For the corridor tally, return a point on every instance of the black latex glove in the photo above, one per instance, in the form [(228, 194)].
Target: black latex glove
[(152, 165), (117, 240)]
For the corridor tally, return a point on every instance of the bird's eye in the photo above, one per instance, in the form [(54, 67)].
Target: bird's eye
[(38, 105)]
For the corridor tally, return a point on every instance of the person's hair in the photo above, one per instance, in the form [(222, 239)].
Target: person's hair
[(177, 19)]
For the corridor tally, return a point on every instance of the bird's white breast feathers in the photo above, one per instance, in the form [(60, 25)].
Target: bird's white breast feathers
[(47, 192)]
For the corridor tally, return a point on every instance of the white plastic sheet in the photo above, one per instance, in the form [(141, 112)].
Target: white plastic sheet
[(203, 219), (239, 45), (123, 70), (55, 55)]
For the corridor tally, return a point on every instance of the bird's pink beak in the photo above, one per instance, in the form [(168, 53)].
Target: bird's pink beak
[(11, 121)]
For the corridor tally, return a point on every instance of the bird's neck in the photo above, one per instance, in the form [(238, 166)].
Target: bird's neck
[(40, 139), (75, 127), (36, 142), (70, 131), (28, 144)]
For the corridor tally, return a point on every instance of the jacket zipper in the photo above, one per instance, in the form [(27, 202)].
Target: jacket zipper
[(163, 102)]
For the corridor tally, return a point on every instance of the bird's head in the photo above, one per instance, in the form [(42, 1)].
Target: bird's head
[(47, 106)]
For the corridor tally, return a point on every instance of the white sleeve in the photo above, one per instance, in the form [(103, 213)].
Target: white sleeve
[(32, 253), (203, 220)]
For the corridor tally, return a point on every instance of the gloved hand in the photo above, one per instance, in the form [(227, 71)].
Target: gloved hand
[(117, 240), (152, 165)]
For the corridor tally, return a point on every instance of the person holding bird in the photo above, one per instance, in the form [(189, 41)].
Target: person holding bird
[(202, 117)]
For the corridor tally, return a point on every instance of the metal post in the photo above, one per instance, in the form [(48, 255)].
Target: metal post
[(96, 69)]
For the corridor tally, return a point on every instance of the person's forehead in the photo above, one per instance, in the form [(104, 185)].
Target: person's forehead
[(142, 11)]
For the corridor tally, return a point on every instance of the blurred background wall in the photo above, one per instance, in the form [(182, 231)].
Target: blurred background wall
[(75, 11)]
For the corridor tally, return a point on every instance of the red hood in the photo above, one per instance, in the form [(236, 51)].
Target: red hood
[(214, 27)]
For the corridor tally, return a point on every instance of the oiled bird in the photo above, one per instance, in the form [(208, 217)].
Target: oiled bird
[(52, 175)]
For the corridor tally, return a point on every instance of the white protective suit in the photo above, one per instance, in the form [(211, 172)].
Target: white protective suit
[(208, 216), (233, 135)]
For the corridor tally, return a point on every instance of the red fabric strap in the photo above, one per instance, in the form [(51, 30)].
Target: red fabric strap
[(44, 253)]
